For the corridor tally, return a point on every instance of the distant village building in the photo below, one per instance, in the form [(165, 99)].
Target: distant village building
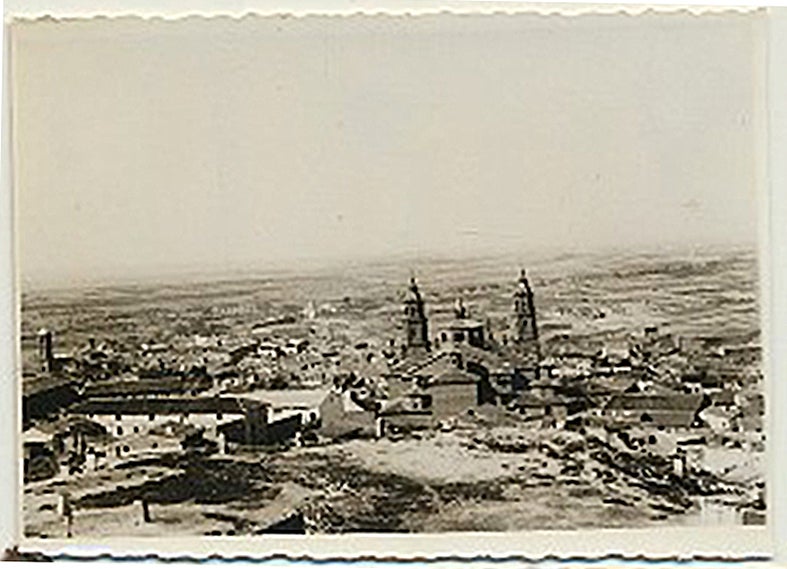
[(669, 410)]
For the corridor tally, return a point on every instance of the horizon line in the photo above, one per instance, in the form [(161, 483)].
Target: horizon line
[(179, 275)]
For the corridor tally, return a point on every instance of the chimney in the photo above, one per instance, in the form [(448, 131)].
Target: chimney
[(45, 355)]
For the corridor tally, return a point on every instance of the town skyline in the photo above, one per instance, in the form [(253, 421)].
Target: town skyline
[(402, 266)]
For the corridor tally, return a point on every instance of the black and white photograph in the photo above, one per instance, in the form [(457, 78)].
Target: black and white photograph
[(433, 274)]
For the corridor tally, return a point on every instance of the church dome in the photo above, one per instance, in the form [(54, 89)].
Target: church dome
[(413, 294)]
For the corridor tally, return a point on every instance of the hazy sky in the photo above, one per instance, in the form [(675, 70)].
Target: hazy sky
[(147, 147)]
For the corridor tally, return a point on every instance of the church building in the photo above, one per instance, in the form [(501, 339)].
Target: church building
[(464, 369)]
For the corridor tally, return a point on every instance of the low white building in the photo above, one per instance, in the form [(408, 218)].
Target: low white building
[(284, 403), (125, 417)]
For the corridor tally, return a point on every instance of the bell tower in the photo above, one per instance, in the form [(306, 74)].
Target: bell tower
[(415, 321), (524, 326)]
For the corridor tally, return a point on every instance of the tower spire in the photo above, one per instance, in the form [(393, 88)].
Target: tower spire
[(524, 318), (415, 321), (460, 311)]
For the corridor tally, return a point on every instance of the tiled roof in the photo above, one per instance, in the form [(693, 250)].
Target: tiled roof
[(416, 365), (437, 362), (658, 402), (492, 361)]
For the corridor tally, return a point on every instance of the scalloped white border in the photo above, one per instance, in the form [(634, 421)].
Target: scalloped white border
[(673, 543), (172, 9)]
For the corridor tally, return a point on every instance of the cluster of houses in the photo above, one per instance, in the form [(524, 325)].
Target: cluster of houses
[(437, 379)]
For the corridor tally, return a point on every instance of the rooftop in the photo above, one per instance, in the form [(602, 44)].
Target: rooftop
[(41, 383), (35, 436), (658, 402), (453, 376), (289, 398), (173, 406), (174, 384), (530, 399), (404, 405)]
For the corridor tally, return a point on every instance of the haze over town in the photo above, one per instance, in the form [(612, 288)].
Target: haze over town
[(298, 144)]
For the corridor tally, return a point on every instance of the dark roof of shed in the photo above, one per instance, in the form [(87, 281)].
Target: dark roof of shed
[(45, 382), (145, 386), (161, 405)]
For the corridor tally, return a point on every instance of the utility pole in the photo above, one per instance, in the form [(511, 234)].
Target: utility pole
[(67, 511)]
